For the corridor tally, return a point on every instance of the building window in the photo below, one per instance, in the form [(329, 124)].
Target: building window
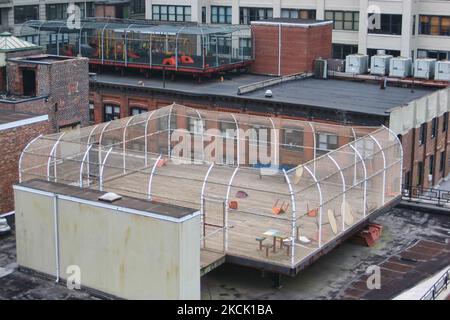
[(340, 51), (134, 111), (171, 13), (434, 54), (293, 139), (434, 25), (220, 45), (389, 24), (245, 47), (442, 161), (163, 122), (91, 112), (56, 11), (420, 173), (445, 122), (137, 6), (246, 15), (371, 52), (422, 133), (325, 142), (112, 112), (220, 14), (203, 14), (298, 14), (431, 167), (228, 129), (343, 20), (414, 25), (197, 126), (434, 127), (25, 13)]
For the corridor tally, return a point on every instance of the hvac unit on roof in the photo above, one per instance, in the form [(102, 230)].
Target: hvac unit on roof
[(442, 71), (424, 68), (379, 64), (356, 63), (400, 67)]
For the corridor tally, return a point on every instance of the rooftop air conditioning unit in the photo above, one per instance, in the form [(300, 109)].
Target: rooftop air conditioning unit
[(379, 64), (442, 71), (356, 63), (320, 69), (400, 67), (424, 68)]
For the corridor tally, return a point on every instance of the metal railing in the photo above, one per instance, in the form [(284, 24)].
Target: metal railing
[(437, 287), (438, 197)]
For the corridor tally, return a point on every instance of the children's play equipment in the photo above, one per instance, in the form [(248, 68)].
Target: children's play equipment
[(179, 47)]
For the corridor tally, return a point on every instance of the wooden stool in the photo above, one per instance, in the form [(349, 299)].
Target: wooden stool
[(260, 240), (287, 242), (267, 246)]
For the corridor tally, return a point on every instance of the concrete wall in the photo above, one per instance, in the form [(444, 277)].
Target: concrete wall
[(127, 255)]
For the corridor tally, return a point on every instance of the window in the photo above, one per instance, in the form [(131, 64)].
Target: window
[(246, 15), (298, 14), (389, 24), (343, 20), (431, 167), (228, 129), (434, 126), (434, 25), (25, 13), (137, 6), (419, 173), (112, 112), (325, 142), (171, 13), (203, 14), (220, 14), (196, 126), (56, 11), (91, 112), (134, 111), (413, 25), (220, 45), (372, 52), (442, 161), (293, 139), (55, 38), (245, 47), (445, 122), (163, 122), (422, 133), (340, 51), (436, 54)]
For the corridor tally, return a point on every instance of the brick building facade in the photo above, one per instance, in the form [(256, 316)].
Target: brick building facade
[(16, 131)]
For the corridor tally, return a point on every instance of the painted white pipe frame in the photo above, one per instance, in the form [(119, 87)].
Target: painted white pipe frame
[(294, 216), (384, 166), (85, 156), (401, 154), (149, 186), (202, 196), (56, 234), (52, 155), (319, 189), (169, 134), (146, 139), (365, 179), (22, 153), (227, 206), (203, 135), (124, 149), (102, 167), (238, 141), (354, 159), (343, 191), (275, 142), (313, 131)]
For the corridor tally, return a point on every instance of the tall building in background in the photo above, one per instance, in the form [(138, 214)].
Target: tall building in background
[(411, 28)]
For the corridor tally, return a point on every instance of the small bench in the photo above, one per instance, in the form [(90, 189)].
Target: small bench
[(287, 243), (267, 246), (260, 240)]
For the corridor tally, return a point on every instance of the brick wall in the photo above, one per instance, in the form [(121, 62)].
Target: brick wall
[(65, 86), (12, 142), (305, 44)]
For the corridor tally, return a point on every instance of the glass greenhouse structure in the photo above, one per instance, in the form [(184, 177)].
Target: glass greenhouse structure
[(187, 47), (269, 189)]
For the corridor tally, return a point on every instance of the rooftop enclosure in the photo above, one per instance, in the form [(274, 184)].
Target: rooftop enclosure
[(251, 177), (188, 48)]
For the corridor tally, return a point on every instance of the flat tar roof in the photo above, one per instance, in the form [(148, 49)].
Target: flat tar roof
[(10, 119), (345, 95), (125, 202)]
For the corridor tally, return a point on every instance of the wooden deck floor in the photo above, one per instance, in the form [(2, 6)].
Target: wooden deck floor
[(182, 185)]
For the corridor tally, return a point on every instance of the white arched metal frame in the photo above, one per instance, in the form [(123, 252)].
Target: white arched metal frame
[(227, 206), (176, 46), (313, 131), (294, 216), (401, 154), (275, 142), (365, 178), (319, 189), (169, 134), (102, 168), (202, 197), (100, 142), (238, 140), (203, 134), (85, 157), (124, 142), (150, 179), (355, 156), (384, 167), (52, 155), (146, 137), (343, 190), (22, 153)]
